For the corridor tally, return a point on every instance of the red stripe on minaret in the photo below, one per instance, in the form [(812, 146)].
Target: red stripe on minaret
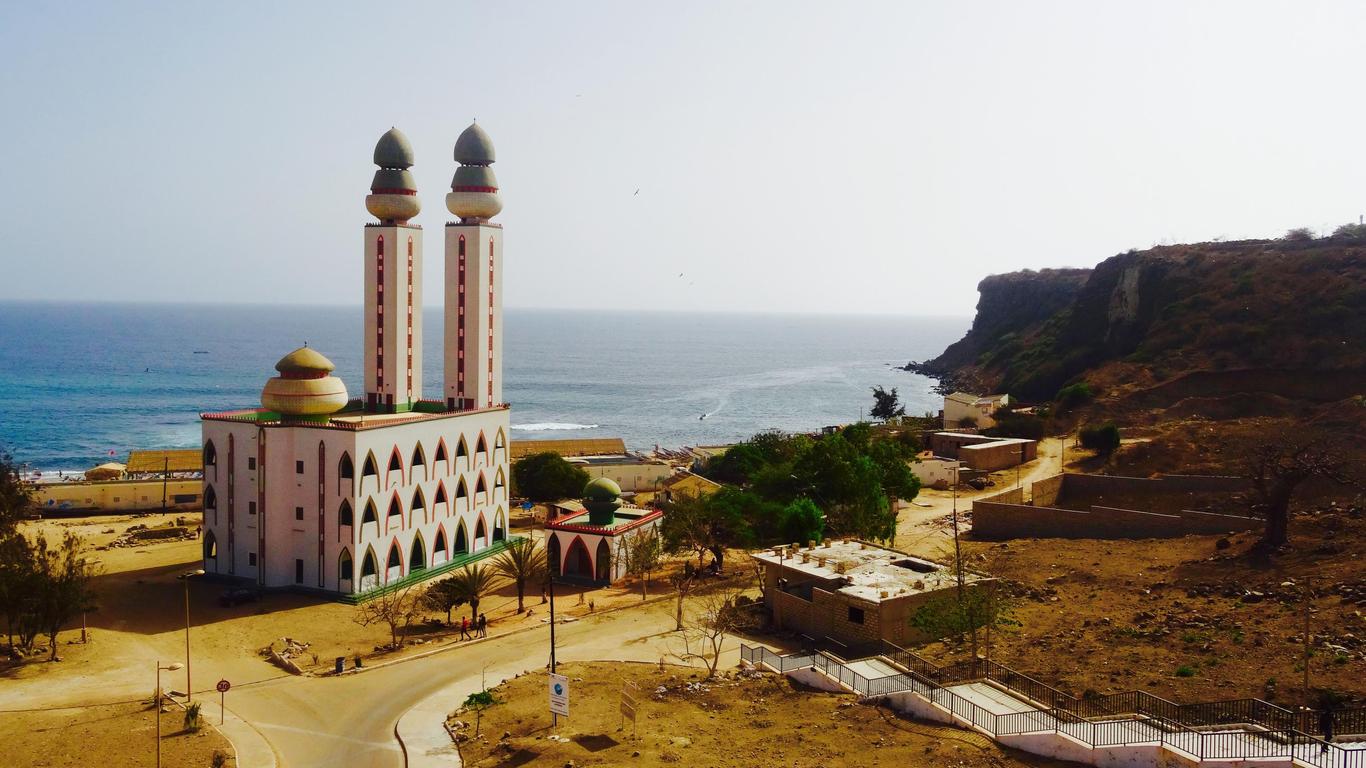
[(490, 353), (379, 315), (410, 317)]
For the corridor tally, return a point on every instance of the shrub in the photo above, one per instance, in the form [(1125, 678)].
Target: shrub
[(1104, 440), (1354, 231), (1299, 235), (1073, 395), (220, 759), (1017, 424), (192, 720), (1185, 671)]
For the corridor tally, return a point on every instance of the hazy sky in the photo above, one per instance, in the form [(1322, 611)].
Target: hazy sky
[(831, 157)]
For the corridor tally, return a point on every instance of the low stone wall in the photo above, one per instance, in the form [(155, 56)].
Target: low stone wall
[(1164, 484), (1045, 492), (991, 520)]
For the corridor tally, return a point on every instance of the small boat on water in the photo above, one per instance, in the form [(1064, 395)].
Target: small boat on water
[(702, 417), (201, 351)]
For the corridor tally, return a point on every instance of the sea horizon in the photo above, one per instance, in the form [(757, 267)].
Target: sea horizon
[(79, 380)]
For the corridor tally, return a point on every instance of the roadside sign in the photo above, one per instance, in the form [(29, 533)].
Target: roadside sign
[(559, 695), (628, 711), (630, 701), (223, 686)]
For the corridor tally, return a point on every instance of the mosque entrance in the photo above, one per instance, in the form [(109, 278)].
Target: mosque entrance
[(578, 564)]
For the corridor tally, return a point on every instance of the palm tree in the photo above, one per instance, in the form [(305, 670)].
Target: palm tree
[(471, 584), (523, 561)]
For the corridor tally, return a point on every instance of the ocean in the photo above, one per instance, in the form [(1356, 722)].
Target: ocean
[(82, 384)]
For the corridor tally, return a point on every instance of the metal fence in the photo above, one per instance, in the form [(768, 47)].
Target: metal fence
[(1132, 718)]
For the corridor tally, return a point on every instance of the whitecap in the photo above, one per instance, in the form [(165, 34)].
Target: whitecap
[(551, 425)]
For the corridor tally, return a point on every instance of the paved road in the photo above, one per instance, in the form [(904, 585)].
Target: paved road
[(349, 721)]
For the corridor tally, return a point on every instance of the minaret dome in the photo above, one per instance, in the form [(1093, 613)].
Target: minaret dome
[(393, 192), (474, 190)]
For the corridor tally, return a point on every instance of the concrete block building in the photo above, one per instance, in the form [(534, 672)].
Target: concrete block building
[(320, 491)]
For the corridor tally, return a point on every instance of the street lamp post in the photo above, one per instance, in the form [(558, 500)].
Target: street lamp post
[(185, 577), (156, 706)]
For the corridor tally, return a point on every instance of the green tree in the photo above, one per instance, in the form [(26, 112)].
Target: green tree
[(543, 477), (63, 580), (886, 404), (441, 596), (523, 562), (981, 606), (639, 555), (1017, 424), (1104, 440), (735, 466), (801, 520), (472, 584), (1073, 395), (16, 494)]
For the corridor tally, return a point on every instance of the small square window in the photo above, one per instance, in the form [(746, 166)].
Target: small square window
[(251, 510), (251, 462), (855, 615), (298, 467), (298, 513), (251, 558)]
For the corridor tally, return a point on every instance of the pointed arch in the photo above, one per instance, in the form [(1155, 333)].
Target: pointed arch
[(500, 443), (417, 555), (462, 491), (395, 465), (394, 510), (211, 502), (462, 540), (419, 502), (393, 562), (481, 448), (441, 455), (440, 498), (369, 571), (499, 525), (440, 552), (602, 564), (419, 460), (500, 484), (345, 571), (462, 451), (369, 516), (481, 487), (577, 561), (211, 551), (344, 514), (552, 554), (480, 533), (346, 472), (210, 459), (370, 468)]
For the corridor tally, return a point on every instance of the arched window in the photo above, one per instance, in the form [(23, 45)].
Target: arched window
[(439, 553), (395, 463), (498, 483), (462, 491), (462, 450), (210, 547), (417, 557), (369, 470), (419, 460), (210, 455), (440, 494), (369, 569), (462, 542), (499, 532), (344, 514), (480, 532), (369, 516), (480, 486), (394, 507), (344, 566), (210, 499), (419, 502), (481, 448), (604, 562), (395, 557), (346, 470), (500, 443), (441, 453)]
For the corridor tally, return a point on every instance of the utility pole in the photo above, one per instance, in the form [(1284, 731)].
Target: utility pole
[(165, 476), (1308, 593), (551, 567)]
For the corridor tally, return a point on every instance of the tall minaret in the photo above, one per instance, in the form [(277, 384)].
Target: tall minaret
[(474, 279), (393, 281)]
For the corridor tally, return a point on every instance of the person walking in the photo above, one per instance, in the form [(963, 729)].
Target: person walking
[(483, 625), (464, 627), (1326, 725)]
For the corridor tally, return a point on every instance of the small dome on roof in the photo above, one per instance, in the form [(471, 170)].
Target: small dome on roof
[(602, 489), (304, 360), (393, 150), (474, 147)]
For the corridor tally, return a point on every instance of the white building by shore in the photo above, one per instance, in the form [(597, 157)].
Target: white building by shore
[(316, 490)]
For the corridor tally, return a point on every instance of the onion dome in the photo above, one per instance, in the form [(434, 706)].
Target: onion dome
[(393, 192), (393, 150), (474, 147), (305, 388), (474, 190), (602, 498)]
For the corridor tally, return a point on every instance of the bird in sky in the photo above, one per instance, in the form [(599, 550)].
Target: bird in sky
[(637, 191)]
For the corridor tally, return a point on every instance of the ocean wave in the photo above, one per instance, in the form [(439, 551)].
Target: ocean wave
[(549, 425)]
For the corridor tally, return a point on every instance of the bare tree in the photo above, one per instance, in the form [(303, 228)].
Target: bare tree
[(639, 555), (394, 609), (717, 616), (682, 582), (1277, 468)]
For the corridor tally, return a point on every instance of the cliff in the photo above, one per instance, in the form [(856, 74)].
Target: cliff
[(1290, 316)]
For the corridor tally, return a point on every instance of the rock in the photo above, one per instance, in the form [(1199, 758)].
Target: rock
[(1223, 543)]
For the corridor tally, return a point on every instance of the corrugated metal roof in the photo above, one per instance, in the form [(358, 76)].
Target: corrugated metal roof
[(584, 447), (173, 460)]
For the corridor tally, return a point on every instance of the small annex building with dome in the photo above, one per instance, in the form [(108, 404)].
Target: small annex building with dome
[(322, 491), (588, 546)]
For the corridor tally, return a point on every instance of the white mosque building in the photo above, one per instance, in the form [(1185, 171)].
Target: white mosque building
[(318, 491)]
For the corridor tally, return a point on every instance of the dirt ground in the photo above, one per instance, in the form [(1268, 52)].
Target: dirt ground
[(1185, 618), (740, 720), (125, 733)]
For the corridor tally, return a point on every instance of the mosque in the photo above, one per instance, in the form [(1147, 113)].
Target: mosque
[(320, 491)]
